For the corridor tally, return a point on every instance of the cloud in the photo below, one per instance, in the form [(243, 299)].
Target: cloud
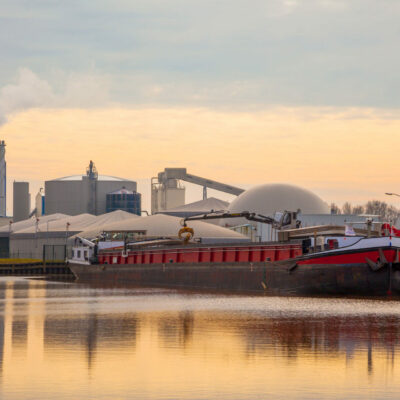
[(208, 53), (30, 91)]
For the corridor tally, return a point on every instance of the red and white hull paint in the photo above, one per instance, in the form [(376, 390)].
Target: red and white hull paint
[(368, 267)]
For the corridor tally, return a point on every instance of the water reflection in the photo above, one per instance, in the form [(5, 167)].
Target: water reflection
[(71, 341)]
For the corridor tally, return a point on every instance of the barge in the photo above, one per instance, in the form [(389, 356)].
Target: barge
[(321, 261)]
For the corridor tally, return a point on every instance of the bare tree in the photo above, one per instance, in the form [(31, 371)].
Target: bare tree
[(346, 209), (376, 207), (358, 210), (392, 214)]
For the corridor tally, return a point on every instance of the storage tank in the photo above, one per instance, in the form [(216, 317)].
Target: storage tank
[(39, 203), (125, 200), (21, 201), (77, 194), (268, 198)]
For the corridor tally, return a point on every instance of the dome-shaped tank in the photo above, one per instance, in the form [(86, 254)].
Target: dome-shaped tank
[(268, 198)]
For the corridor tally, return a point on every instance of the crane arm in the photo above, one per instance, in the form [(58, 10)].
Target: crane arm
[(245, 214)]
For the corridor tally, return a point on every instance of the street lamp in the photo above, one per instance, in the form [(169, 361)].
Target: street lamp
[(47, 238), (47, 223)]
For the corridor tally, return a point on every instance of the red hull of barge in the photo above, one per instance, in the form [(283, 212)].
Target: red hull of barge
[(211, 254), (269, 268)]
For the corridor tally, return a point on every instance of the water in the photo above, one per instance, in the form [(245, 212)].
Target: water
[(70, 341)]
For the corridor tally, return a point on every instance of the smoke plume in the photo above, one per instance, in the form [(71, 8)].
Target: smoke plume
[(28, 92)]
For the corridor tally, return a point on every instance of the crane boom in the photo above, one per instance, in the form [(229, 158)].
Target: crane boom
[(286, 219)]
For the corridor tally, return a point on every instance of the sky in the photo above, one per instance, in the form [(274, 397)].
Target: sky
[(247, 92)]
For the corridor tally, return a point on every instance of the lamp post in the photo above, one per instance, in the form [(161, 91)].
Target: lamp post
[(36, 231), (47, 223), (47, 238)]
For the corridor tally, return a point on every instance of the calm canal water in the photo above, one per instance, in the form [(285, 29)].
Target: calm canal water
[(70, 341)]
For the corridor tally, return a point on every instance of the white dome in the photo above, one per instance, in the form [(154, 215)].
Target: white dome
[(77, 223), (164, 225), (268, 198), (99, 178)]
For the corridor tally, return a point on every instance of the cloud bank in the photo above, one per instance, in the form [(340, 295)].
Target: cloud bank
[(28, 92), (211, 53)]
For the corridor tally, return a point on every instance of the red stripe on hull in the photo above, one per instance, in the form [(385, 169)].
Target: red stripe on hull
[(350, 258)]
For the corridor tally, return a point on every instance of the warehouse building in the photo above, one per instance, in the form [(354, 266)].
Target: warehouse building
[(12, 227), (21, 201), (49, 238), (160, 225), (33, 237), (79, 194)]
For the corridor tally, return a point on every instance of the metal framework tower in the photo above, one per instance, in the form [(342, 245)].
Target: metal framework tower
[(3, 178), (92, 176)]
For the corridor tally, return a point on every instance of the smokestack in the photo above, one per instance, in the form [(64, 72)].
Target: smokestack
[(3, 178)]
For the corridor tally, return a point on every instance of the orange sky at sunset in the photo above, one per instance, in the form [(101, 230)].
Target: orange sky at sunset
[(341, 154)]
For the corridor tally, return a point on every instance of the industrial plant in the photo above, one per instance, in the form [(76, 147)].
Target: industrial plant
[(90, 193), (90, 204)]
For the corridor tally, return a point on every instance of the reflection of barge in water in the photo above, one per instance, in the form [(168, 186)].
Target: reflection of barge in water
[(320, 261)]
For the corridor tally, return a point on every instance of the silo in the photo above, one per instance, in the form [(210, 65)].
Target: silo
[(77, 194), (39, 203), (125, 200), (21, 201), (3, 178)]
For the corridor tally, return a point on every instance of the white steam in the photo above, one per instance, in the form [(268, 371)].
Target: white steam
[(30, 91)]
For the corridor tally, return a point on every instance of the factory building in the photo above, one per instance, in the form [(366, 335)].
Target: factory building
[(167, 191), (51, 237), (78, 194), (37, 237), (21, 201)]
